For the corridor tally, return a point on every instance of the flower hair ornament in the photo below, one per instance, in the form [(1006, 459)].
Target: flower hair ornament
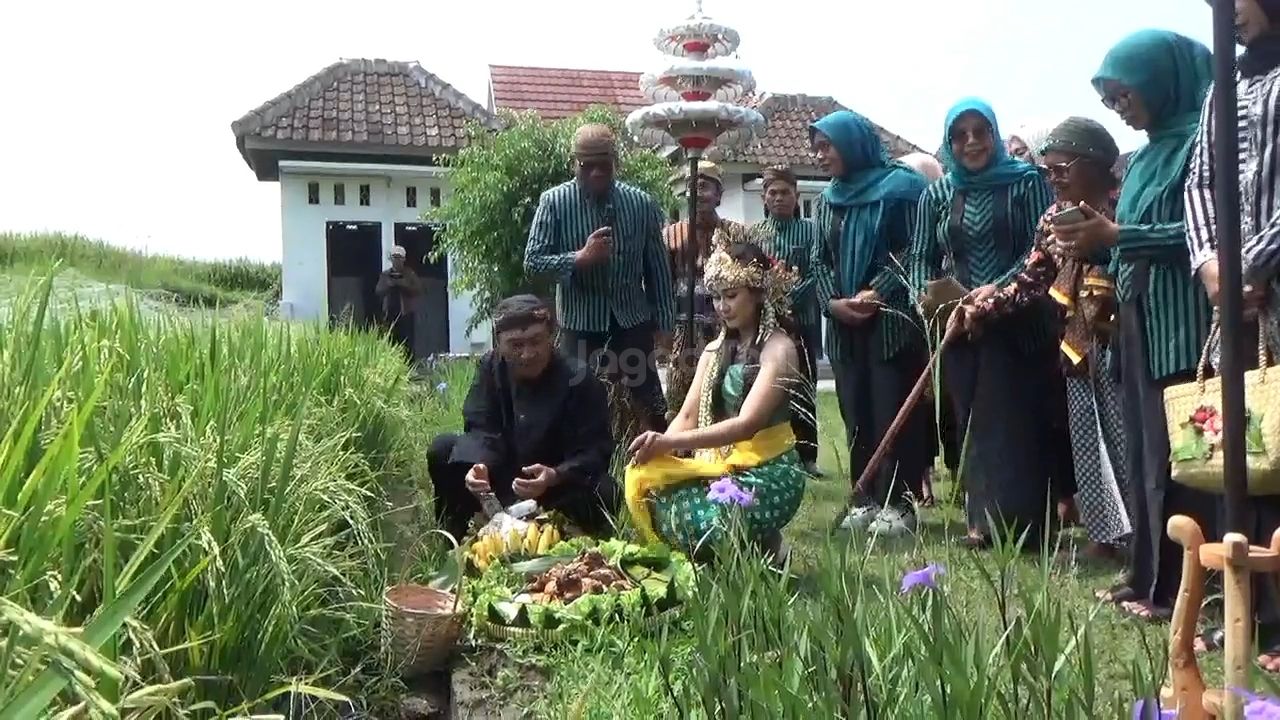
[(721, 272)]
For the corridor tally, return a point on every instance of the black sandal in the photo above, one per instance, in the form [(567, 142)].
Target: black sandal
[(1116, 594), (1211, 640), (1146, 612)]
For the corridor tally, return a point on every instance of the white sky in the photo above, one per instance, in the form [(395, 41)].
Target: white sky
[(115, 119)]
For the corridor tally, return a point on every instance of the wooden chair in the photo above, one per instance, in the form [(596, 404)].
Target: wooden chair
[(1237, 560)]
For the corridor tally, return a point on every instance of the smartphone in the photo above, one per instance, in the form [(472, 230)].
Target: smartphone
[(609, 217), (1070, 216)]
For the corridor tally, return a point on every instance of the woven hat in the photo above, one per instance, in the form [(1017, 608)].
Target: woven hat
[(593, 140), (778, 173)]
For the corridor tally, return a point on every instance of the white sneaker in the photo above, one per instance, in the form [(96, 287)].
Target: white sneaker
[(859, 517), (893, 522)]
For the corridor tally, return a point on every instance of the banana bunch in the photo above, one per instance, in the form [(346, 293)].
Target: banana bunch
[(534, 541)]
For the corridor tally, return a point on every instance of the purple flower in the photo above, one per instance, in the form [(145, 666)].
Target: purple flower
[(441, 387), (726, 492), (1149, 709), (1259, 707), (925, 577)]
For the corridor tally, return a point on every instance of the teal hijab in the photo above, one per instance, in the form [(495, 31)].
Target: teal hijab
[(1171, 74), (870, 183), (1000, 171)]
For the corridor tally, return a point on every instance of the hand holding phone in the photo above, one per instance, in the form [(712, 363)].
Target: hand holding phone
[(1070, 216)]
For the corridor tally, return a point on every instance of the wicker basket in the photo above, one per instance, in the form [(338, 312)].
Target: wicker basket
[(420, 627)]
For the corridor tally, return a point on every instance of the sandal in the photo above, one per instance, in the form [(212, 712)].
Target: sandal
[(1117, 594), (1211, 640), (1269, 661), (1145, 611)]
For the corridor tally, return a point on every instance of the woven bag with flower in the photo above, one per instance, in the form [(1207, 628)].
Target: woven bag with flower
[(1194, 415)]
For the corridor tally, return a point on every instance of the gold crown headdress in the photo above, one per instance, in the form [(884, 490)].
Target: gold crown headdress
[(722, 272)]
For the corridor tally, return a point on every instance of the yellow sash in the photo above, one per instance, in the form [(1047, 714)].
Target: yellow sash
[(665, 471)]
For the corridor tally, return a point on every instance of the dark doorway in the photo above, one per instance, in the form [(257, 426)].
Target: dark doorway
[(431, 313), (354, 253)]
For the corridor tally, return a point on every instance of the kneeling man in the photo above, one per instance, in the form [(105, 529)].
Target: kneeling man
[(535, 426)]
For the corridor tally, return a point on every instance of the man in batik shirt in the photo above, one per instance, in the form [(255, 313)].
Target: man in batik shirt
[(711, 229), (789, 238), (601, 240)]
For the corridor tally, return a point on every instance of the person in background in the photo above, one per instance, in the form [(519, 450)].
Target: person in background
[(1156, 81), (1258, 174), (1024, 143), (601, 241), (790, 239), (976, 225), (1078, 156), (866, 218), (399, 288), (942, 420), (535, 426), (712, 231)]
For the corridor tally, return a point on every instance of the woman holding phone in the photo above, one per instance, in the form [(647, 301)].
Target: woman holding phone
[(1078, 157), (1156, 82), (975, 226)]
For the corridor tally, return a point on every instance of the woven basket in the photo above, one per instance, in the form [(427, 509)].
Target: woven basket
[(1262, 398), (495, 631), (420, 627)]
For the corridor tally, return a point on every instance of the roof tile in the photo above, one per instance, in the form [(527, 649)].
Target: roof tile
[(365, 102), (562, 92)]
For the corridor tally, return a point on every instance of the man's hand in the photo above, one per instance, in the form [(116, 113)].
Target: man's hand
[(596, 250), (1085, 239), (478, 480), (866, 302), (647, 446), (536, 481), (851, 311)]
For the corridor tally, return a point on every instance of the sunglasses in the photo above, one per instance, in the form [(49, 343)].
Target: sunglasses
[(1059, 169)]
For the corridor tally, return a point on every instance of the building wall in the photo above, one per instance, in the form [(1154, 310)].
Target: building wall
[(304, 278)]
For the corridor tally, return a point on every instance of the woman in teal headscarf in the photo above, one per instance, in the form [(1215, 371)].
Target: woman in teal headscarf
[(974, 228), (1156, 81), (865, 220)]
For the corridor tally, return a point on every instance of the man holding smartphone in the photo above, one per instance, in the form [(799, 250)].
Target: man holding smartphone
[(399, 288), (601, 240)]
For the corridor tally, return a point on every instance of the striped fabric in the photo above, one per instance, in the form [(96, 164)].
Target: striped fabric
[(899, 319), (634, 286), (1258, 131), (791, 242), (934, 251)]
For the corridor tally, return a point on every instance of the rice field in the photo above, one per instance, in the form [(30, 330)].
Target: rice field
[(196, 513)]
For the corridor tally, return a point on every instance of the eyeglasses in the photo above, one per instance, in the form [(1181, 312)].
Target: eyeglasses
[(1059, 169), (605, 164), (1113, 102)]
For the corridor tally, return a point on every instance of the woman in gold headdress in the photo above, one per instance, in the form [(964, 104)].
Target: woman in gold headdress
[(736, 418)]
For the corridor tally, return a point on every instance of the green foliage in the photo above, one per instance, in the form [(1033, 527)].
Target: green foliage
[(251, 465), (497, 180), (194, 283)]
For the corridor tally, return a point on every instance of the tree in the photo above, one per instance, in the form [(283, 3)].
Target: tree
[(497, 180)]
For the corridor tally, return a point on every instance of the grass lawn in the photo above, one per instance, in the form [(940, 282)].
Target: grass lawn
[(616, 675)]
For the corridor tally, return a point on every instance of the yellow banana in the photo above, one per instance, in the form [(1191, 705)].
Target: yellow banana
[(531, 539), (544, 542)]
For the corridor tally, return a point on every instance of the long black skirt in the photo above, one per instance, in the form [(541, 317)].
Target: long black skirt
[(871, 390), (1155, 564), (998, 394)]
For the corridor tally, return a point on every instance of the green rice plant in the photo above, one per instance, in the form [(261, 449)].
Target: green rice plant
[(262, 455), (856, 643)]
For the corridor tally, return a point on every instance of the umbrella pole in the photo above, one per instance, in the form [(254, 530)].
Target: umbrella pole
[(691, 247), (1227, 206)]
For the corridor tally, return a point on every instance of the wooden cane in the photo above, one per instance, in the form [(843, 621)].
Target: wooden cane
[(891, 434)]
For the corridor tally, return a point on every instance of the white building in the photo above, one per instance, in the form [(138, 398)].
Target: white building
[(356, 149)]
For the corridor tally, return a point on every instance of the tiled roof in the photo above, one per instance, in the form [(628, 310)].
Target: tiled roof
[(785, 140), (364, 106), (556, 93)]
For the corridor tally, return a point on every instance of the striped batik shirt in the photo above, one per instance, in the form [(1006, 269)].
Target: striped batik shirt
[(899, 321), (1258, 131), (934, 252), (632, 287), (790, 241)]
